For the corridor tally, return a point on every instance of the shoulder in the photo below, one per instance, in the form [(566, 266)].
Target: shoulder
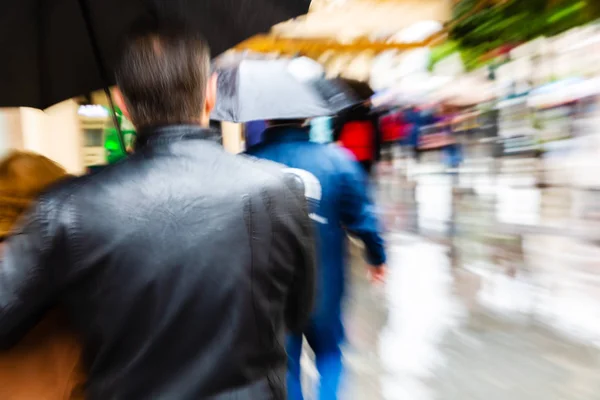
[(273, 180), (74, 185), (259, 167), (277, 176), (65, 196), (54, 197)]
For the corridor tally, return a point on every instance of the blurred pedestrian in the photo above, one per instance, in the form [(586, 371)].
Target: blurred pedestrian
[(357, 129), (182, 265), (336, 189), (253, 132), (46, 363)]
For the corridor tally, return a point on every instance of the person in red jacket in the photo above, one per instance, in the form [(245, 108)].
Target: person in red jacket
[(393, 130), (357, 130)]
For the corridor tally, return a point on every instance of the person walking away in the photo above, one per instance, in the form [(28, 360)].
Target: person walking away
[(339, 203), (253, 132), (357, 129), (46, 363), (392, 131), (181, 266), (418, 119)]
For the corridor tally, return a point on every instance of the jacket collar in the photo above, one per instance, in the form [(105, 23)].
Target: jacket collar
[(173, 133), (286, 133)]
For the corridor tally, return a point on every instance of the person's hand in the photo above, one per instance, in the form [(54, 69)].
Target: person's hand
[(377, 273)]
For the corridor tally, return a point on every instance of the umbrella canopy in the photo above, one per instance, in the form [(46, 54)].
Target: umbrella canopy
[(279, 89), (362, 89), (55, 50)]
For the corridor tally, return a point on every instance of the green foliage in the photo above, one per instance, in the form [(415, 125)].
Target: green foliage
[(567, 12), (514, 21), (442, 51)]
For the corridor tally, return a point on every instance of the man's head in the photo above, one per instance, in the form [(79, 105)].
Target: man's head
[(164, 78)]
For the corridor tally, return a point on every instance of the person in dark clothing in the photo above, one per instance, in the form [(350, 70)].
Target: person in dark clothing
[(417, 119), (338, 203), (357, 130), (253, 132), (182, 266)]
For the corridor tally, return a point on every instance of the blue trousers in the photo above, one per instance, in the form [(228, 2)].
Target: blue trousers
[(325, 341)]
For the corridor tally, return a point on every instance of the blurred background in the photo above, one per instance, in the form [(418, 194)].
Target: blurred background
[(488, 188)]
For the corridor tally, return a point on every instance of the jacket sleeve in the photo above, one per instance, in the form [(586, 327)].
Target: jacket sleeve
[(27, 283), (301, 240), (358, 212)]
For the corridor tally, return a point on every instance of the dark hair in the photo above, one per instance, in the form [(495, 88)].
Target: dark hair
[(163, 74)]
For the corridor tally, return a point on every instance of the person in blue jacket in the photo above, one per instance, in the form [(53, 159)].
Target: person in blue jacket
[(254, 131), (337, 193)]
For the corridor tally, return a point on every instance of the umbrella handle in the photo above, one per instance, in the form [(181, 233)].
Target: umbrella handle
[(87, 18)]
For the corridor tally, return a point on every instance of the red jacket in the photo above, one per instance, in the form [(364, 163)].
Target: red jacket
[(392, 127), (359, 138)]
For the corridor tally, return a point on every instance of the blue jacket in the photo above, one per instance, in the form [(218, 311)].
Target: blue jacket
[(338, 202)]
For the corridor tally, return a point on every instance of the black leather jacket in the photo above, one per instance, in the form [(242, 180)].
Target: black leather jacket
[(181, 267)]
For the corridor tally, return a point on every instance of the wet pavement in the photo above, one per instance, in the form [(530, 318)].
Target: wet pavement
[(493, 293)]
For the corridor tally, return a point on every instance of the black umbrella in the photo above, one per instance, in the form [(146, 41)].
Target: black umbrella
[(53, 50), (254, 90), (362, 89)]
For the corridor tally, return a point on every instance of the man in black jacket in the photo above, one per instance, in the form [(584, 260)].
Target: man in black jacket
[(182, 266)]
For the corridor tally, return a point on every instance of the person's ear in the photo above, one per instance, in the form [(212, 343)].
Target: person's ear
[(211, 94), (120, 101)]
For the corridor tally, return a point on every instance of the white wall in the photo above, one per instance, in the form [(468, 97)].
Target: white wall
[(55, 133), (34, 131), (10, 130), (64, 136)]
